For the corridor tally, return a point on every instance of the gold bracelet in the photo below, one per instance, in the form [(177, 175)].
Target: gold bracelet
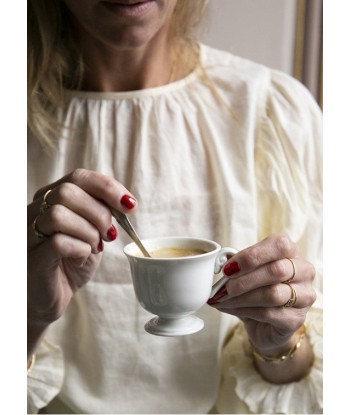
[(285, 357), (31, 364)]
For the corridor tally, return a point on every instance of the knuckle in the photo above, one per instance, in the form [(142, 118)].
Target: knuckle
[(66, 191), (283, 244), (311, 297), (78, 175), (58, 215), (275, 294), (277, 268), (251, 258), (311, 271), (62, 245), (57, 243), (110, 186)]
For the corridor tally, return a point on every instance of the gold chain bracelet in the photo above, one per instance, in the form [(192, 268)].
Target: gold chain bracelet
[(285, 357)]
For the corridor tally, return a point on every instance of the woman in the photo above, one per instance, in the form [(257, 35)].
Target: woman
[(126, 111)]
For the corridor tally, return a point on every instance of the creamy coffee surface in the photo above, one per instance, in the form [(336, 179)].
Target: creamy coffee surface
[(174, 252)]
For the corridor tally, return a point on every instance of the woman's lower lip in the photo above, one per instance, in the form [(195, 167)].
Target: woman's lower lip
[(128, 10)]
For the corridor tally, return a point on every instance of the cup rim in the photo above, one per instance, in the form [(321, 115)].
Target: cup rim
[(216, 248)]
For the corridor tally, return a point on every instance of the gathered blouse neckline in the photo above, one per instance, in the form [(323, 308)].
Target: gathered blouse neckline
[(139, 93)]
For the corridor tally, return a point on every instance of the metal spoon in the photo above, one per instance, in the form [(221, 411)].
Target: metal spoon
[(124, 222)]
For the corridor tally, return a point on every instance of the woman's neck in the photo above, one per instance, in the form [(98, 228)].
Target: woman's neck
[(127, 71), (109, 69)]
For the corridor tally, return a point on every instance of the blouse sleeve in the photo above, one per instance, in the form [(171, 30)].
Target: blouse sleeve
[(45, 379), (288, 163)]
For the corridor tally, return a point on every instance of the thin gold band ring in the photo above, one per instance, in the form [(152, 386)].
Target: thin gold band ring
[(43, 207), (45, 204), (39, 234), (293, 297), (293, 275)]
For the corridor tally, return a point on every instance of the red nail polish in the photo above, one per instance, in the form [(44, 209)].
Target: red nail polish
[(128, 201), (231, 268), (220, 294), (100, 246), (112, 233)]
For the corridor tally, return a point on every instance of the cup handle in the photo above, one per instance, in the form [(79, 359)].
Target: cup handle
[(219, 262)]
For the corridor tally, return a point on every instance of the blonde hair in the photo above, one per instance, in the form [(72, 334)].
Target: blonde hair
[(55, 64)]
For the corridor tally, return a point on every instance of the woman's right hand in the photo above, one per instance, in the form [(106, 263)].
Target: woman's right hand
[(74, 226)]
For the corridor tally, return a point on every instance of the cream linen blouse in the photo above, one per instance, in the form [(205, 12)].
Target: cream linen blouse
[(199, 171)]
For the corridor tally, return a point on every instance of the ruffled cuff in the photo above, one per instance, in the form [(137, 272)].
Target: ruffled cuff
[(260, 396), (45, 379)]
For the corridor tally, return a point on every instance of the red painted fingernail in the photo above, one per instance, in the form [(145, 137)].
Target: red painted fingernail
[(100, 246), (112, 233), (231, 268), (220, 294), (128, 201)]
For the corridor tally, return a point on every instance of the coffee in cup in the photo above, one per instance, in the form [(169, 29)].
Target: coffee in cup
[(175, 252)]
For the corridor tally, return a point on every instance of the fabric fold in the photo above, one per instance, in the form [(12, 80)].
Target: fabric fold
[(45, 379)]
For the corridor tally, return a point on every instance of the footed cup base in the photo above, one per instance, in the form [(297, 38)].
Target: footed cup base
[(174, 327)]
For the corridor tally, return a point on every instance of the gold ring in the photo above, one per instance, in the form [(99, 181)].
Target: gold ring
[(293, 265), (44, 204), (293, 298), (39, 234)]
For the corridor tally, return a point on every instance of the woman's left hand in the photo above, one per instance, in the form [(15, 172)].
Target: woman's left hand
[(264, 279)]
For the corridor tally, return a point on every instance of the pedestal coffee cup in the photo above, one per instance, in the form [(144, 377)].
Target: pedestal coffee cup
[(176, 281)]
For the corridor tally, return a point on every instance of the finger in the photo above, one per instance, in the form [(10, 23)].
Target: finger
[(276, 316), (100, 186), (83, 204), (48, 254), (271, 274), (80, 202), (60, 219), (272, 248), (270, 296)]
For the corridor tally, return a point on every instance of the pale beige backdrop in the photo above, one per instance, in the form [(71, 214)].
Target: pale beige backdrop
[(282, 34)]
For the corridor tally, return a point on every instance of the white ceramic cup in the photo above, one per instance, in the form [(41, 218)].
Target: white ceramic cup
[(175, 288)]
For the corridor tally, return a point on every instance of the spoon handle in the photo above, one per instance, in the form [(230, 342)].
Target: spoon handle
[(124, 222)]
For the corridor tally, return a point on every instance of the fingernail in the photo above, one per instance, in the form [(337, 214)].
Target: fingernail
[(128, 201), (231, 268), (100, 246), (220, 294), (112, 233)]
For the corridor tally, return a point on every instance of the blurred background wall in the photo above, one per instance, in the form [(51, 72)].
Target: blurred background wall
[(282, 34)]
